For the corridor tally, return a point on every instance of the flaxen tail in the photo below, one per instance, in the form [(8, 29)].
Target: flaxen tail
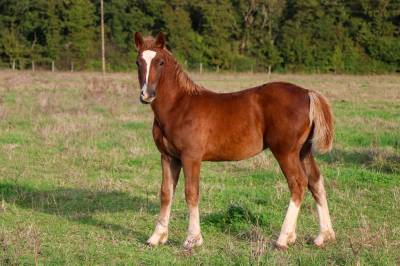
[(322, 117)]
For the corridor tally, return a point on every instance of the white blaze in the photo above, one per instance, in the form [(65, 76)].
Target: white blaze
[(147, 56)]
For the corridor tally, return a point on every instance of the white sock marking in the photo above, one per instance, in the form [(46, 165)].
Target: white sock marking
[(194, 221), (161, 231), (322, 208), (289, 225)]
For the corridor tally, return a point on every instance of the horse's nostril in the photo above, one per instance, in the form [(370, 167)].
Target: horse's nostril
[(142, 93)]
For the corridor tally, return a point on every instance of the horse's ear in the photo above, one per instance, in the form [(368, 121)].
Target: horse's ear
[(160, 40), (138, 40)]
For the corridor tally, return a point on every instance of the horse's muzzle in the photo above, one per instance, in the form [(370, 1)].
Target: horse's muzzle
[(147, 100), (147, 94), (142, 101)]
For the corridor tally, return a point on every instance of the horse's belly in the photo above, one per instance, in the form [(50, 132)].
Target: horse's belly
[(234, 150)]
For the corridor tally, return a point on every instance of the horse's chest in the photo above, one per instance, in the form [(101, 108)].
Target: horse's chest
[(162, 142)]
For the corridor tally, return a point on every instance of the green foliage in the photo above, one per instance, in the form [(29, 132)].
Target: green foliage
[(53, 30), (360, 36), (243, 63), (179, 28), (337, 60), (79, 25), (12, 44)]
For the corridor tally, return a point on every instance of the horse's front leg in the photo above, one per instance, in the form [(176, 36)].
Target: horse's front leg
[(171, 168), (191, 170)]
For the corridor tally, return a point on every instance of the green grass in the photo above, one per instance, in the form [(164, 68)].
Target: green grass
[(80, 175)]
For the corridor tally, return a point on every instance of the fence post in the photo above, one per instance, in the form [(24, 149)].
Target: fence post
[(269, 72), (72, 66), (52, 66), (13, 64), (33, 66), (217, 69), (201, 68)]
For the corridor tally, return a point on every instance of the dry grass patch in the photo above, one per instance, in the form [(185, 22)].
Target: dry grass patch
[(80, 175)]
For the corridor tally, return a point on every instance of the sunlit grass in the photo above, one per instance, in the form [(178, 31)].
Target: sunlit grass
[(80, 175)]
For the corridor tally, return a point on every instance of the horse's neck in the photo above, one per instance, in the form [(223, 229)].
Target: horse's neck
[(169, 97), (173, 91)]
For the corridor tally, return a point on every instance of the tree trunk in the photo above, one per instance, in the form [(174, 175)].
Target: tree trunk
[(103, 53), (270, 37)]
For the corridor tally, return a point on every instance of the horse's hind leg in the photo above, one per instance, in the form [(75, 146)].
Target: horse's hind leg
[(316, 186), (297, 182), (170, 174)]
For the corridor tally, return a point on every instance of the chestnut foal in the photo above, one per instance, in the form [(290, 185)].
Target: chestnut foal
[(193, 124)]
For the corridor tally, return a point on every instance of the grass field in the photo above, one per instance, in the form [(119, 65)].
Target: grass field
[(80, 175)]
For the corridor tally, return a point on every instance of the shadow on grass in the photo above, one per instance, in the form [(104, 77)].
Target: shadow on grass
[(371, 159), (235, 219), (243, 224), (78, 205)]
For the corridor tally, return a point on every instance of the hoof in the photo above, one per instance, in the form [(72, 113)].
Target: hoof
[(323, 237), (192, 242), (280, 246), (157, 239), (284, 240), (292, 238)]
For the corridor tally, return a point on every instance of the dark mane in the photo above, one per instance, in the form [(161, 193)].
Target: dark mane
[(183, 79), (186, 82)]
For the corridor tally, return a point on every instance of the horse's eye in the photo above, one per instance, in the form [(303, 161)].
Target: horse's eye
[(161, 62), (137, 62)]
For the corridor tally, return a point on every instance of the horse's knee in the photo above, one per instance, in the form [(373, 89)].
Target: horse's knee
[(297, 187), (191, 195), (299, 193), (317, 188), (165, 196)]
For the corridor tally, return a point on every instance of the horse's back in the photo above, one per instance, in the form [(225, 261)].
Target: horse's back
[(243, 123), (282, 92)]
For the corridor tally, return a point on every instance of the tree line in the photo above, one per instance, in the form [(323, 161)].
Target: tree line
[(358, 36)]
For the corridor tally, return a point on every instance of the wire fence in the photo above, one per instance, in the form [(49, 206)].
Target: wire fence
[(71, 66)]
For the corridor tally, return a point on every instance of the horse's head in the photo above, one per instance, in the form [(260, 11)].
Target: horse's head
[(150, 62)]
